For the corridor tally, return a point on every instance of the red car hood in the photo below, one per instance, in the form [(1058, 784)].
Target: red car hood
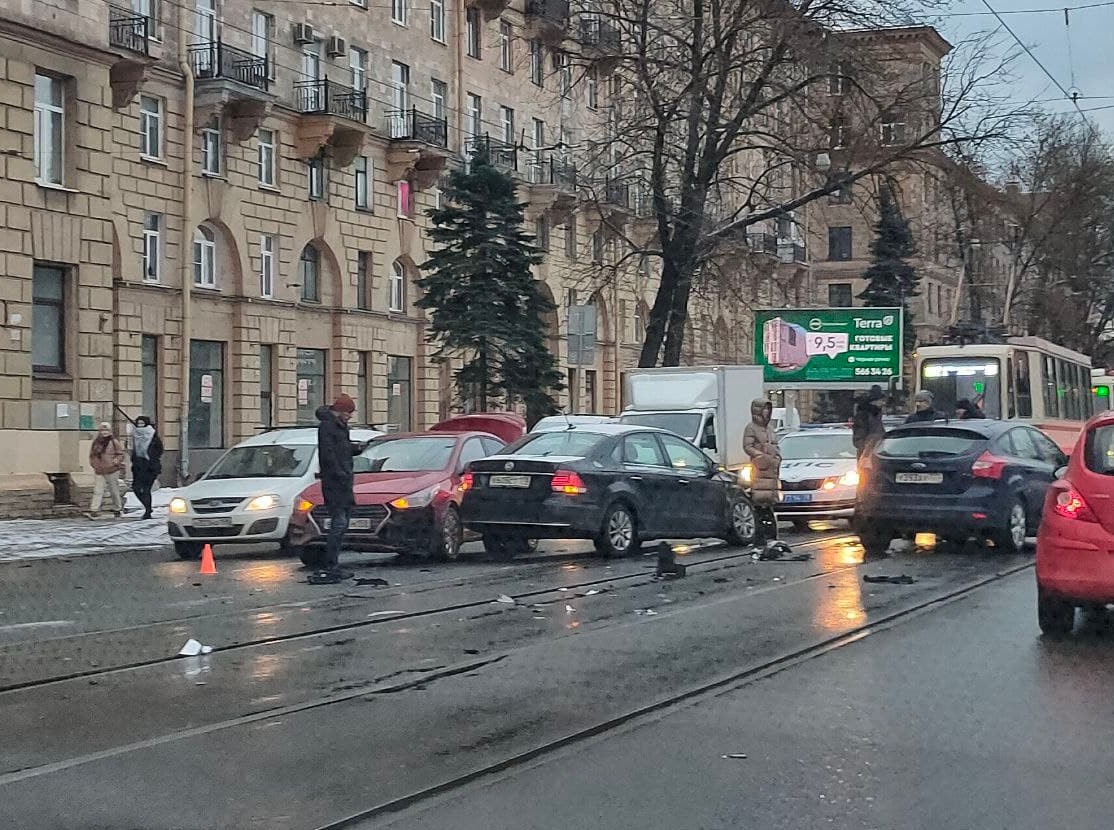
[(378, 488)]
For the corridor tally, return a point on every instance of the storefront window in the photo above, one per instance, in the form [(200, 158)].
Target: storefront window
[(311, 384), (398, 393), (206, 419)]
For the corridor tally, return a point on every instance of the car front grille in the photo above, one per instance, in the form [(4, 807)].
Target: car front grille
[(804, 484), (213, 532), (216, 504)]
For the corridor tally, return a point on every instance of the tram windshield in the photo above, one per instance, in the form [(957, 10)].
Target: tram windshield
[(975, 378)]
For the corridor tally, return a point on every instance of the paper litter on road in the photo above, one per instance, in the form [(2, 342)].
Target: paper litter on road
[(192, 648), (569, 609), (904, 579), (648, 612), (738, 756), (505, 600), (591, 593)]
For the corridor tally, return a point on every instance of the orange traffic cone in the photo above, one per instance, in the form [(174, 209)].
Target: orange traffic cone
[(208, 566)]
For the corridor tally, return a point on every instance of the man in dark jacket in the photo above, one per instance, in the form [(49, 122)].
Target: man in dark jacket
[(924, 411), (334, 457), (965, 410), (866, 426)]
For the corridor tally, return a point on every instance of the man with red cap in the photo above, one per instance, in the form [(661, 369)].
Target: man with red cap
[(334, 457)]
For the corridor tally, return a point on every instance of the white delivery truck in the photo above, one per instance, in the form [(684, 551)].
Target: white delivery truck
[(709, 405)]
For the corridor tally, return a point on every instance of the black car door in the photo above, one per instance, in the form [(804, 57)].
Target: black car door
[(649, 476), (1036, 473), (699, 501), (1054, 458)]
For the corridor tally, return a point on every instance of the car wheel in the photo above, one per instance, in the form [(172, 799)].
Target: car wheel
[(500, 545), (312, 557), (1055, 617), (447, 537), (743, 524), (1010, 538), (619, 532), (875, 541), (188, 550)]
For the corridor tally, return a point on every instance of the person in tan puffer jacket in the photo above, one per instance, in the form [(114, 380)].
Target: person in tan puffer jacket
[(106, 457), (760, 443)]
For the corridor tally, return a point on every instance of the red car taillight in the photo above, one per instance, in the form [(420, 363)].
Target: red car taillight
[(1070, 504), (568, 483), (988, 466), (467, 482)]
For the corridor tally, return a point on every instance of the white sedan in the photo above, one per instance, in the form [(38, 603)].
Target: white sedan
[(819, 475)]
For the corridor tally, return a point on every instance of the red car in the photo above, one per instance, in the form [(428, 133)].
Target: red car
[(1075, 546), (407, 489)]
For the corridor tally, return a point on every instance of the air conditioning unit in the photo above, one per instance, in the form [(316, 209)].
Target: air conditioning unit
[(303, 33), (336, 47)]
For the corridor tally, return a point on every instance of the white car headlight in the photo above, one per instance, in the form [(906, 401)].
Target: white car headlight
[(423, 498), (746, 474), (266, 502), (178, 506), (850, 478)]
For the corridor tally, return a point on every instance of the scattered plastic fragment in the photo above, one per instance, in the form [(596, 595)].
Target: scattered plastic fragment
[(736, 756), (569, 609), (371, 580), (904, 579), (192, 648), (591, 593), (503, 598)]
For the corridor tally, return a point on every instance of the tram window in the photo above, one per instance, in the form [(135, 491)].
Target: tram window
[(975, 378), (1100, 396), (1011, 404), (1048, 385), (1021, 385)]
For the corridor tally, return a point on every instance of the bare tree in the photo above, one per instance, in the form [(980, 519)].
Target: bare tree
[(732, 114)]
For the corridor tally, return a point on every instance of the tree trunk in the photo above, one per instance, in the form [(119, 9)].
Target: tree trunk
[(484, 379), (659, 316)]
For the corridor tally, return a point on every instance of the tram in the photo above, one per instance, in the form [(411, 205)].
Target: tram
[(1101, 383)]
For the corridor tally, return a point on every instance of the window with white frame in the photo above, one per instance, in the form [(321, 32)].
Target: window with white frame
[(266, 157), (506, 57), (397, 287), (541, 233), (152, 246), (506, 118), (363, 183), (310, 266), (150, 127), (315, 173), (150, 10), (399, 11), (263, 39), (357, 68), (893, 128), (475, 115), (473, 36), (48, 318), (437, 20), (204, 258), (838, 82), (837, 133), (50, 97), (266, 266), (593, 95), (570, 239), (438, 93), (564, 68), (211, 147), (537, 63)]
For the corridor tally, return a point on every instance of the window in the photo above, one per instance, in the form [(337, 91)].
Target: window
[(473, 450), (310, 273), (838, 82), (211, 147), (48, 319), (590, 387), (311, 384), (398, 393), (537, 167), (149, 374), (839, 243), (475, 115), (363, 279), (400, 86), (506, 58), (150, 127), (206, 415), (930, 297), (837, 133), (266, 266), (204, 258), (506, 118), (363, 371), (266, 385), (152, 247), (437, 20), (570, 239), (263, 39), (597, 246), (564, 67), (1021, 384), (593, 95), (683, 456), (892, 128), (266, 156), (839, 295), (472, 32), (361, 3), (405, 206), (397, 288), (398, 12), (642, 450), (363, 183), (537, 62), (357, 68), (842, 196), (315, 171), (150, 10), (541, 233), (438, 92)]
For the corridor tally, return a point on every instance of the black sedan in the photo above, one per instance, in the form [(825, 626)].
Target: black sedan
[(956, 479), (616, 484)]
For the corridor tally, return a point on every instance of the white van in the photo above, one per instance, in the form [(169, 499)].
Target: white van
[(248, 496)]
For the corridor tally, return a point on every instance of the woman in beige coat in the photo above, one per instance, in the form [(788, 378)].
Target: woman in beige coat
[(760, 443), (106, 457)]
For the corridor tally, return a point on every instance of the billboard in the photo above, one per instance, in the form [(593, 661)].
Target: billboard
[(828, 348)]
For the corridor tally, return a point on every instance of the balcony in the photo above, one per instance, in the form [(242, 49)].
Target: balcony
[(129, 36), (233, 84), (791, 253), (501, 155), (332, 114), (551, 186), (490, 9), (598, 38), (617, 195), (762, 243), (128, 30), (547, 20), (218, 61), (418, 152)]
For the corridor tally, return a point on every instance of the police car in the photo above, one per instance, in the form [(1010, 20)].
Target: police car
[(819, 475)]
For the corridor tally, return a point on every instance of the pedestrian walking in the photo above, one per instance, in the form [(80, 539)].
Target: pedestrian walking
[(965, 410), (106, 457), (760, 443), (922, 403), (335, 451), (146, 461), (867, 428)]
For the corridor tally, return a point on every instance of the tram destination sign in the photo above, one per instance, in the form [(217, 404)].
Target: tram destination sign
[(828, 348)]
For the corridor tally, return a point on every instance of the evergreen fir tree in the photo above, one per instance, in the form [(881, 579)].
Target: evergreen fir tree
[(891, 281), (484, 304)]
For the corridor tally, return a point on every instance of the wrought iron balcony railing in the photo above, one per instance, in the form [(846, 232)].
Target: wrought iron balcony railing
[(128, 30), (501, 154), (599, 35), (217, 60), (765, 243), (324, 97), (412, 125)]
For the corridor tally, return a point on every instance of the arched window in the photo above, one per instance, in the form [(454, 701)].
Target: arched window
[(204, 258), (311, 274), (397, 299)]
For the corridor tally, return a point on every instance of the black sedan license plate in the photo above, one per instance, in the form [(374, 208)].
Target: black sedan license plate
[(919, 478), (521, 482)]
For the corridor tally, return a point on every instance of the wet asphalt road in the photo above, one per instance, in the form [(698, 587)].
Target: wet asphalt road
[(321, 703)]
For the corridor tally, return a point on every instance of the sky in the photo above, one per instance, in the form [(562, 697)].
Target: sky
[(1075, 55)]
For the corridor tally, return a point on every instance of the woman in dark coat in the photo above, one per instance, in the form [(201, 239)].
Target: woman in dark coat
[(146, 461)]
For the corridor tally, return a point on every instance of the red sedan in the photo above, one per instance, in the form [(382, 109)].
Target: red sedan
[(407, 490), (1075, 546)]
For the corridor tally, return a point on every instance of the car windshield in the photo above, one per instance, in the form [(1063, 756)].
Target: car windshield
[(1098, 452), (794, 447), (568, 442), (406, 455), (930, 443), (685, 424), (270, 461)]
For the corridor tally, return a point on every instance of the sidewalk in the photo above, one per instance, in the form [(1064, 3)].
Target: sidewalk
[(45, 538)]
